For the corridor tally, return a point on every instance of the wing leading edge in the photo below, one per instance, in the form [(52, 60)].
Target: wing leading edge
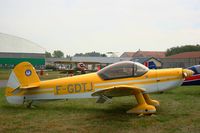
[(117, 91), (105, 95)]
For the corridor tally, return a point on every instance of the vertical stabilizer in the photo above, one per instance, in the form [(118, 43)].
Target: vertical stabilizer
[(23, 76)]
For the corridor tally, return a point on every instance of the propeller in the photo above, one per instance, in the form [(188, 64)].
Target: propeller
[(187, 73)]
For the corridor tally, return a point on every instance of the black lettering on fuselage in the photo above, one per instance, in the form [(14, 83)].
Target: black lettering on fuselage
[(91, 87), (77, 87), (84, 86), (70, 88), (74, 88), (58, 88)]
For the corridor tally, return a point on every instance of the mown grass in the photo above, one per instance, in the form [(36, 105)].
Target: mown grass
[(179, 113)]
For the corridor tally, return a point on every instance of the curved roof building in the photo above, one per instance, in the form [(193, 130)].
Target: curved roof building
[(14, 50), (13, 44)]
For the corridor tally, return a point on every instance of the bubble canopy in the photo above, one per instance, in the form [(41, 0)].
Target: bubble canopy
[(124, 69)]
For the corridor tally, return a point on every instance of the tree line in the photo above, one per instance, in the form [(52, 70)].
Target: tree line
[(169, 52), (181, 49), (55, 54), (60, 54), (90, 54)]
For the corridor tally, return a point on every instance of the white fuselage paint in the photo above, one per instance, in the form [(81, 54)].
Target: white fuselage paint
[(13, 81)]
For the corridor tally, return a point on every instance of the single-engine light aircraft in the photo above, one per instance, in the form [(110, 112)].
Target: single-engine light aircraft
[(119, 79)]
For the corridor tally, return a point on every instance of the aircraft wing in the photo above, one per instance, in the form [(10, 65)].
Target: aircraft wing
[(116, 91)]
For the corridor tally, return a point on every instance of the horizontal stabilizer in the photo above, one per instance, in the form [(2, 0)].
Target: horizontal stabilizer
[(35, 85)]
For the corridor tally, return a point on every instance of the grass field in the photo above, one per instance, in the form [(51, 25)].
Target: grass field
[(179, 113)]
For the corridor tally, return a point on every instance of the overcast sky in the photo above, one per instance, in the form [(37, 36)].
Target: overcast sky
[(75, 26)]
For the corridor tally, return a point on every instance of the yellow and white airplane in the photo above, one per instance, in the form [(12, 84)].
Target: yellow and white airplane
[(119, 79)]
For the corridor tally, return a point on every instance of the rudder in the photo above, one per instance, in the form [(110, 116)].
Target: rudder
[(25, 74)]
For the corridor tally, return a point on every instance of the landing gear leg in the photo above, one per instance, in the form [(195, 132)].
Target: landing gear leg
[(150, 101), (142, 107), (29, 104)]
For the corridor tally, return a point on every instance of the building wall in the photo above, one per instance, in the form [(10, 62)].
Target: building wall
[(15, 61), (184, 63), (14, 50), (9, 60), (157, 63), (21, 55), (108, 60), (51, 61)]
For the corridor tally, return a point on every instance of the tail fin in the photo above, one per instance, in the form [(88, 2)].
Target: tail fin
[(23, 76)]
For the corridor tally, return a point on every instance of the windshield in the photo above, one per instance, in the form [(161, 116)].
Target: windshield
[(123, 69)]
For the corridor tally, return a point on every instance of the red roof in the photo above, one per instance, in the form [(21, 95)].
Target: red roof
[(194, 54), (155, 54), (127, 54)]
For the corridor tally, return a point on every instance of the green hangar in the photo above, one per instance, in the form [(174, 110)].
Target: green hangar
[(14, 50)]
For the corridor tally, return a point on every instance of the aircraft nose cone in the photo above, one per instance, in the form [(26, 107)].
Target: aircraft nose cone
[(187, 73)]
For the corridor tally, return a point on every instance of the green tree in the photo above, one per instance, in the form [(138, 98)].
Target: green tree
[(47, 54), (181, 49), (58, 54), (91, 54), (68, 56), (79, 54)]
